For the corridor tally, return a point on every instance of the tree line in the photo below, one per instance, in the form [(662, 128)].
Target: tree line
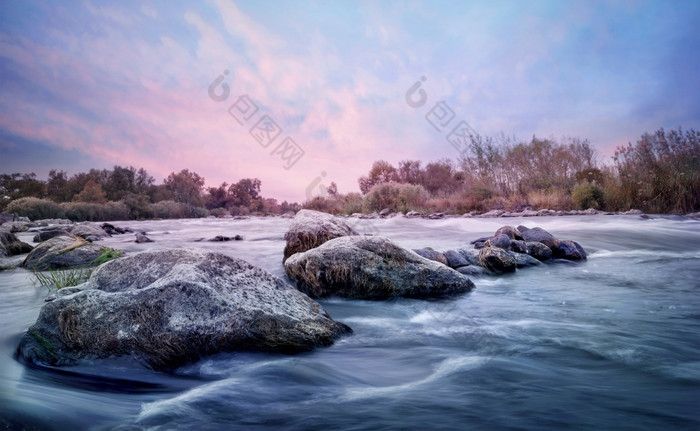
[(660, 173), (130, 193)]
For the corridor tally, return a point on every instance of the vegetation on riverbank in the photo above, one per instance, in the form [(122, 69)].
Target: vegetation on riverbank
[(660, 173)]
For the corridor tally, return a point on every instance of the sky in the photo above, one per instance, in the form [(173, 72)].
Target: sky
[(302, 93)]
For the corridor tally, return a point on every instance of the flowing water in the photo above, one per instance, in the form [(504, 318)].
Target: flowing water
[(612, 343)]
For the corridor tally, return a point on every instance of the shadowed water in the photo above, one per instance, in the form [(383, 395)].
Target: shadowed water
[(612, 343)]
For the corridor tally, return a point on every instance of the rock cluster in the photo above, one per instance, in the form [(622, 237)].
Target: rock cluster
[(511, 248), (309, 229), (329, 258), (371, 268)]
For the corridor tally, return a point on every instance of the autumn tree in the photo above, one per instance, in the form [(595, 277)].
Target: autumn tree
[(91, 193), (381, 172), (186, 187)]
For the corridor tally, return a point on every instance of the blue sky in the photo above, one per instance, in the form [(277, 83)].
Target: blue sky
[(93, 84)]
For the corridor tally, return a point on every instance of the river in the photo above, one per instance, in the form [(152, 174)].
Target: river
[(611, 343)]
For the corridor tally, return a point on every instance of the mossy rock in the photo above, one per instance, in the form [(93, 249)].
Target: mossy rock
[(68, 252)]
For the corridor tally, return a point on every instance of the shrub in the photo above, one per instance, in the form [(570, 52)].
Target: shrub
[(326, 205), (587, 195), (352, 203), (84, 211), (553, 199), (35, 208), (395, 196), (219, 212), (168, 209)]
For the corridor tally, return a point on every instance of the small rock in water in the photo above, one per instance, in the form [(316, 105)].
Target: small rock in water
[(497, 260), (431, 254), (142, 238)]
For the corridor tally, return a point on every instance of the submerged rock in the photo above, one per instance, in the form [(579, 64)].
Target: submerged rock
[(142, 238), (170, 307), (310, 229), (523, 260), (371, 268), (65, 252)]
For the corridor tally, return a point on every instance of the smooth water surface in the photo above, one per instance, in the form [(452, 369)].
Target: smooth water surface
[(612, 343)]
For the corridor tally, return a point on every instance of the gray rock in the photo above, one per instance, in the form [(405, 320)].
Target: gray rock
[(142, 238), (89, 232), (11, 246), (569, 250), (385, 212), (17, 226), (431, 254), (512, 232), (455, 259), (371, 268), (518, 246), (522, 260), (537, 234), (496, 260), (169, 307), (413, 214), (222, 238), (471, 256), (499, 241), (310, 229), (63, 252), (470, 270), (49, 233), (538, 250), (110, 229), (493, 213)]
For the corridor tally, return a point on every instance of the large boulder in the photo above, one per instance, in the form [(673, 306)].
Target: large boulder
[(497, 260), (65, 252), (11, 246), (170, 307), (309, 229), (371, 268)]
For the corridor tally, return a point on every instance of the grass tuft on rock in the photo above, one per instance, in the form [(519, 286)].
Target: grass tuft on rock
[(60, 278), (107, 255)]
